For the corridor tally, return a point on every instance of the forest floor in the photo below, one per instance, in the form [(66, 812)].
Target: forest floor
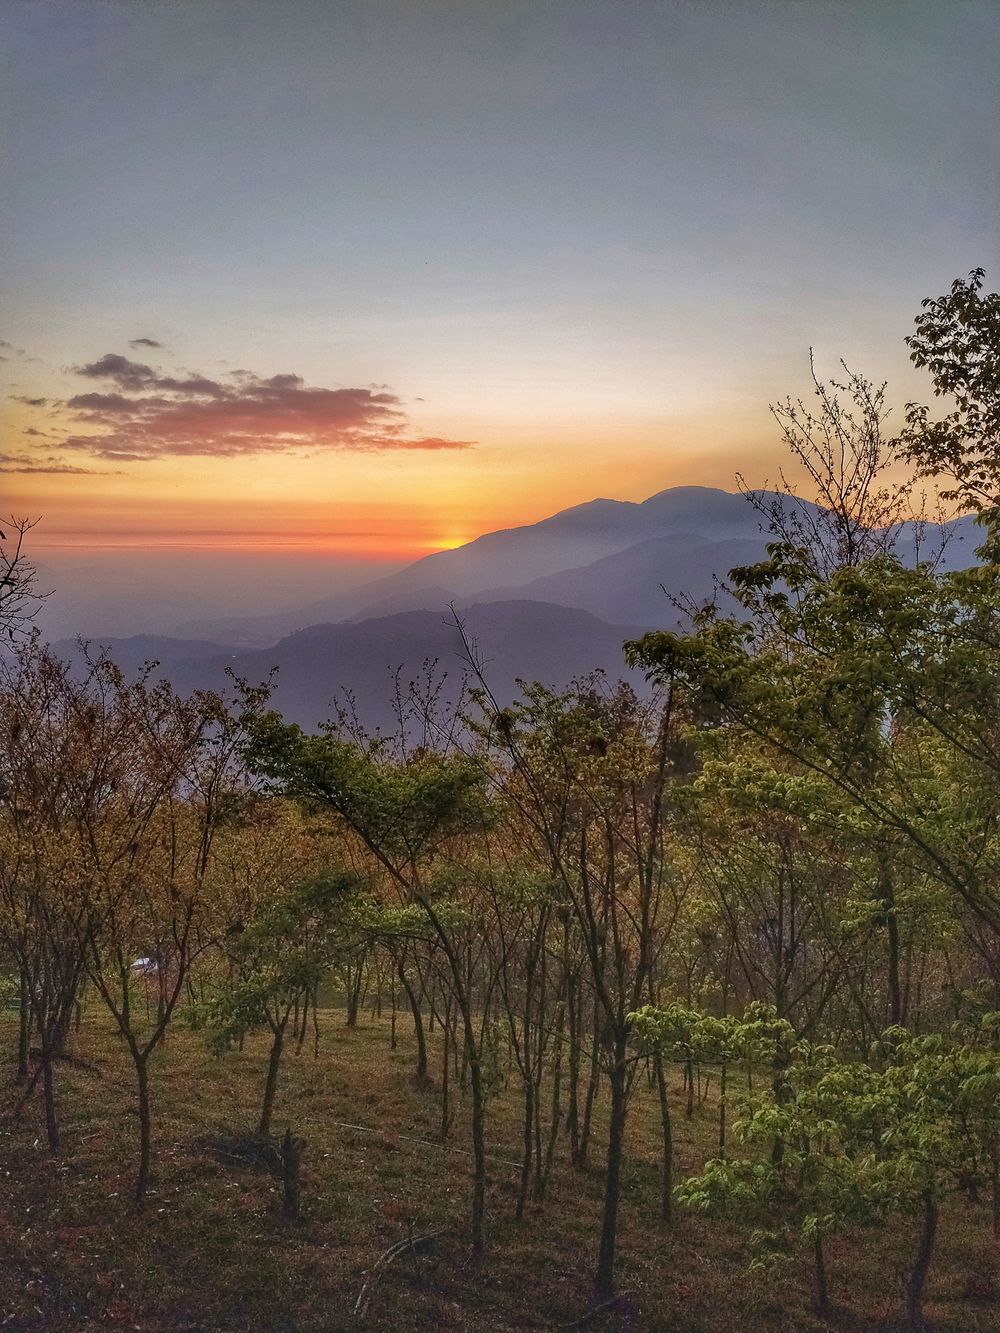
[(212, 1252)]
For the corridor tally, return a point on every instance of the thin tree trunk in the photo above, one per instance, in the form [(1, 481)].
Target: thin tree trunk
[(573, 1110), (291, 1156), (605, 1277), (667, 1159), (588, 1105), (896, 1013), (895, 989), (354, 980), (822, 1288), (542, 1172), (51, 1123), (527, 1138), (24, 1030), (418, 1026), (922, 1262), (264, 1127), (723, 1076), (445, 1055), (305, 1019), (145, 1129), (479, 1157)]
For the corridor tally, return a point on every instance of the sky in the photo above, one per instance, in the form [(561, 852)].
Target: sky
[(349, 282)]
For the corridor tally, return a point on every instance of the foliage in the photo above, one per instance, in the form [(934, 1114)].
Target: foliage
[(956, 340), (772, 883)]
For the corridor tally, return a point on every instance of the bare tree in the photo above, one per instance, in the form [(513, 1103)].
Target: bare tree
[(20, 599), (859, 500)]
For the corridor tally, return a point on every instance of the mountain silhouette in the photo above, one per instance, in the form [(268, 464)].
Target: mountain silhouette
[(512, 558), (358, 664), (549, 601)]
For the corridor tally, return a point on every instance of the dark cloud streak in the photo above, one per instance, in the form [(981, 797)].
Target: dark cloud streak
[(26, 463), (147, 414)]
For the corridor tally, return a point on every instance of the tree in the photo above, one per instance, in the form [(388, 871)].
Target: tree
[(957, 340), (588, 777), (403, 814), (818, 1186), (181, 779), (20, 599), (862, 1144), (863, 672), (936, 1110), (77, 795), (276, 955), (847, 463)]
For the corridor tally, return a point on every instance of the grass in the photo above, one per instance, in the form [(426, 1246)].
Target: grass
[(212, 1252)]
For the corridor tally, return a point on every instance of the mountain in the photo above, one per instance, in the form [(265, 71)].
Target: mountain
[(614, 558), (643, 583), (513, 558), (318, 668), (596, 575), (133, 652), (583, 534), (622, 561)]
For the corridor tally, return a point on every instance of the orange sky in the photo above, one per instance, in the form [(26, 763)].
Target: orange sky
[(371, 280), (392, 505)]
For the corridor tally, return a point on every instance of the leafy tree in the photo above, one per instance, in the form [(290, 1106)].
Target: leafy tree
[(403, 814), (936, 1109), (184, 779), (274, 959), (957, 340), (861, 1144), (819, 1186), (588, 778)]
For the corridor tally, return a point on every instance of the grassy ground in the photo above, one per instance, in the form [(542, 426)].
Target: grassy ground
[(211, 1251)]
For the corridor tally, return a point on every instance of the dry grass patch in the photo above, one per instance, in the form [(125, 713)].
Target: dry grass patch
[(212, 1251)]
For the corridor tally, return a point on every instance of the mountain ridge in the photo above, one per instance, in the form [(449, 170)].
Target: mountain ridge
[(319, 664), (513, 557), (647, 561)]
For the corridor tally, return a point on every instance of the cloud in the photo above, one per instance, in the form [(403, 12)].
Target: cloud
[(26, 463), (144, 342), (436, 442), (29, 402), (119, 369), (140, 413)]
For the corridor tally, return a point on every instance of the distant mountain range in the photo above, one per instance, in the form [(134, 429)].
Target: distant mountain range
[(571, 547), (355, 665), (548, 601)]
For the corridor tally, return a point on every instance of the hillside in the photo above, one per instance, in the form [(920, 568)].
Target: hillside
[(318, 667), (637, 584)]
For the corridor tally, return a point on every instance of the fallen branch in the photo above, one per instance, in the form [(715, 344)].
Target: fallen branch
[(595, 1310), (423, 1143), (413, 1243)]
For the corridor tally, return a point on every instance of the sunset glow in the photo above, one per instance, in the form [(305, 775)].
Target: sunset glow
[(398, 295)]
